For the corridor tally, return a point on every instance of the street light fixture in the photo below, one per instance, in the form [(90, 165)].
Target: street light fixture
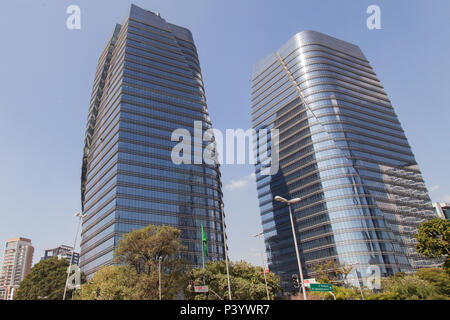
[(264, 265), (159, 275), (357, 278), (226, 250), (81, 217), (289, 203)]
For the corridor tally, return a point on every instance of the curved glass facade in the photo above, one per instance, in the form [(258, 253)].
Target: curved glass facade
[(148, 83), (343, 152)]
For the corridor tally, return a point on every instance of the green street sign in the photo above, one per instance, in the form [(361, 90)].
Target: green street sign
[(322, 287)]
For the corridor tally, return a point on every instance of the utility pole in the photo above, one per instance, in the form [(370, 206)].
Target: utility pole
[(357, 278), (159, 275), (299, 262), (69, 271), (226, 249), (263, 265)]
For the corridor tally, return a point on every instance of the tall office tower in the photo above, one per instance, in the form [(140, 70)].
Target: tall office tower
[(148, 84), (16, 264), (343, 152), (62, 252)]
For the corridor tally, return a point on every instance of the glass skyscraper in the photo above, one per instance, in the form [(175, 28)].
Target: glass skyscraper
[(343, 152), (148, 83)]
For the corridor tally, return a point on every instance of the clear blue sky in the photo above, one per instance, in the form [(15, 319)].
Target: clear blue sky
[(46, 75)]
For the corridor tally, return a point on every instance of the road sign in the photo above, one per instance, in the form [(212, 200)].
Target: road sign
[(201, 289), (307, 282), (322, 287)]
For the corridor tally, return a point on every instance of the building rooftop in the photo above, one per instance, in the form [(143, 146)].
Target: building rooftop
[(19, 239)]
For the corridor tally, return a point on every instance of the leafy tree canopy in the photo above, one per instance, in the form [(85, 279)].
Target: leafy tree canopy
[(425, 284), (111, 283), (433, 240), (46, 281), (438, 278), (136, 273), (433, 237), (330, 271), (246, 282)]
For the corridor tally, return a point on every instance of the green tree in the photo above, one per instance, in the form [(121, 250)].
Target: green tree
[(330, 271), (111, 283), (408, 287), (438, 278), (433, 240), (347, 293), (46, 280), (136, 273), (340, 292), (246, 282)]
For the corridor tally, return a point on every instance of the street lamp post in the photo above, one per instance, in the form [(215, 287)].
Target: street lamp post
[(226, 250), (159, 275), (357, 278), (263, 265), (81, 217), (289, 203)]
